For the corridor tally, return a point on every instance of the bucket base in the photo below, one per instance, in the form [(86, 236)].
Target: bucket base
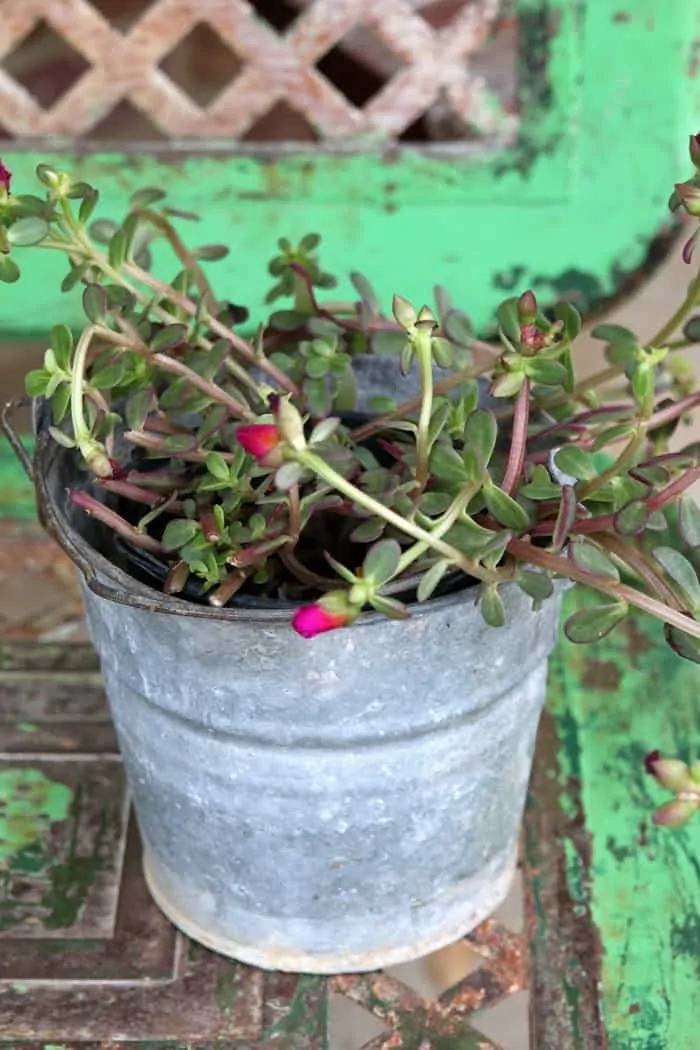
[(288, 960)]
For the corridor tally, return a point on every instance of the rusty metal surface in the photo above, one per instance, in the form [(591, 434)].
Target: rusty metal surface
[(104, 60), (87, 960), (564, 940)]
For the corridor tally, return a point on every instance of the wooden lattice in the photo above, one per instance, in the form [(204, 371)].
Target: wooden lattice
[(421, 68)]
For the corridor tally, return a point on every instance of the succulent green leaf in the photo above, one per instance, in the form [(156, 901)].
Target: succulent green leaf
[(388, 341), (632, 519), (595, 622), (211, 252), (431, 580), (508, 320), (546, 371), (288, 475), (145, 197), (368, 531), (117, 249), (469, 537), (458, 328), (179, 532), (95, 303), (480, 435), (109, 377), (390, 607), (217, 466), (381, 562), (169, 338), (447, 465), (60, 403), (614, 333), (576, 463), (177, 443), (682, 643), (61, 342), (691, 330), (568, 313), (137, 408), (28, 231), (507, 384), (35, 382), (689, 521), (505, 509), (681, 573), (102, 230), (365, 291), (491, 606), (443, 352), (591, 559), (9, 270), (537, 585), (541, 486), (406, 315)]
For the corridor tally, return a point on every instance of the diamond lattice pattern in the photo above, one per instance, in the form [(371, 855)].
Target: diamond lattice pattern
[(419, 65)]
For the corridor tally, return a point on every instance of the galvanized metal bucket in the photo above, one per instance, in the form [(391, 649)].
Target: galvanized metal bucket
[(324, 806)]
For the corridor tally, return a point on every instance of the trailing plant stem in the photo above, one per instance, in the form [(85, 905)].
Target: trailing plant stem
[(518, 439), (425, 365), (527, 552), (341, 484)]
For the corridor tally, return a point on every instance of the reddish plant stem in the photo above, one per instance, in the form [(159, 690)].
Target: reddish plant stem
[(671, 412), (518, 439), (130, 491), (526, 552), (115, 521), (674, 490), (646, 571)]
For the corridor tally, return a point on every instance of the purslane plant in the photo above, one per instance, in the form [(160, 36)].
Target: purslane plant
[(238, 466)]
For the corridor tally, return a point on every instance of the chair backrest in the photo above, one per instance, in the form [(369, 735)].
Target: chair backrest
[(482, 144)]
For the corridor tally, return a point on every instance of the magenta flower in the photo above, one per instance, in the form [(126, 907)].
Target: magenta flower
[(262, 440), (5, 177), (310, 620)]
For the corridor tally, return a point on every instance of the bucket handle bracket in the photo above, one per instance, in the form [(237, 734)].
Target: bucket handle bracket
[(13, 437)]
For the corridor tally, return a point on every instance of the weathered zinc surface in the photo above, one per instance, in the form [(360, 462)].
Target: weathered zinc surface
[(562, 187), (85, 956), (614, 900), (86, 959)]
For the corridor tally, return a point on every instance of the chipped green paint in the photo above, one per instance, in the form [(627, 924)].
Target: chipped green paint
[(578, 197), (70, 879), (29, 804), (63, 871), (305, 1019), (613, 702)]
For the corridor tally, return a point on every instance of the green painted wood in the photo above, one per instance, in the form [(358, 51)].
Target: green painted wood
[(607, 99), (16, 492), (612, 703)]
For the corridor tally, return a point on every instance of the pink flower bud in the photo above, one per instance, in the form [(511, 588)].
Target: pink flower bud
[(262, 440), (310, 620), (5, 177), (289, 422), (671, 773), (673, 814), (527, 307), (689, 195)]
